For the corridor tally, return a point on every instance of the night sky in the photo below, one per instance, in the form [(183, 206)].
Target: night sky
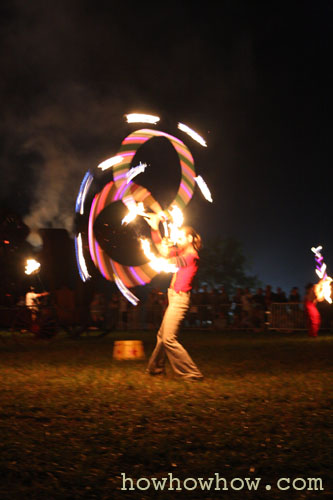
[(253, 78)]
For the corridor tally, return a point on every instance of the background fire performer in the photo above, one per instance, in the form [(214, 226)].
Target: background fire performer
[(185, 257), (313, 315)]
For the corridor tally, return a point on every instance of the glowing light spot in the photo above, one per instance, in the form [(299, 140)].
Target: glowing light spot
[(32, 266), (141, 118), (204, 188)]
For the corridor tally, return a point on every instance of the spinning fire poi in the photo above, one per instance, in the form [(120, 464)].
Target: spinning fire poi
[(139, 202), (317, 293)]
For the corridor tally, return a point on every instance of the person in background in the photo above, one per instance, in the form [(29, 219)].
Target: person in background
[(310, 306)]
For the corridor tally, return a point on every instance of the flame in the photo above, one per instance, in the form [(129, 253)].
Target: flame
[(159, 264), (133, 210), (177, 220), (31, 266), (323, 290), (192, 133), (141, 118)]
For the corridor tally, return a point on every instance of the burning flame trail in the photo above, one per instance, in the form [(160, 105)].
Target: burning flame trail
[(159, 264), (31, 266), (174, 226), (133, 210)]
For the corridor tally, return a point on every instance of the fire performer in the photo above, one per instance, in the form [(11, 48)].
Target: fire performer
[(185, 256), (313, 315)]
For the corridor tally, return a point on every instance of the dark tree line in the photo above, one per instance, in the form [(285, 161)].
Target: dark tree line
[(222, 262)]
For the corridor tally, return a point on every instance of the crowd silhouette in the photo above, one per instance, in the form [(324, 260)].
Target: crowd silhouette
[(211, 308)]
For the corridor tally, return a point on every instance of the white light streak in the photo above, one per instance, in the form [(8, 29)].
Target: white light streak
[(135, 171), (204, 188), (125, 291), (141, 118), (84, 189), (31, 266), (192, 133), (80, 258), (110, 162)]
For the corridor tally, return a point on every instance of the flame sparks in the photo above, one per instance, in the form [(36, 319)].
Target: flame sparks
[(31, 266), (192, 133), (159, 264), (203, 188), (141, 118)]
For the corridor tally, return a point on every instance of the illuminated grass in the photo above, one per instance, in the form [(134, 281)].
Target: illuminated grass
[(72, 419)]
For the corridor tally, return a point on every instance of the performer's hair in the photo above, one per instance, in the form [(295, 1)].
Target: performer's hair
[(197, 242)]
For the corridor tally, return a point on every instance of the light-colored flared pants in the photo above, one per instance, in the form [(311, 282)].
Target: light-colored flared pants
[(167, 344)]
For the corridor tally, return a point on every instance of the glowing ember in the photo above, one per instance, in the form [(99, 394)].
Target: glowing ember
[(141, 118), (31, 266), (192, 133), (323, 288), (134, 209), (159, 264), (110, 162), (203, 188), (135, 171)]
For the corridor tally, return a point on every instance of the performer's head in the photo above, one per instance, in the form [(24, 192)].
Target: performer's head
[(191, 237)]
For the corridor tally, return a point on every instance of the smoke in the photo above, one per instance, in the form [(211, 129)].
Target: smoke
[(71, 136)]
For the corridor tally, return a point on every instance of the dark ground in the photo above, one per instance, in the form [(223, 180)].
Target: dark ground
[(73, 419)]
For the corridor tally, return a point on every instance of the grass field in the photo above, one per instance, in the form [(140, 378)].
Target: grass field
[(73, 420)]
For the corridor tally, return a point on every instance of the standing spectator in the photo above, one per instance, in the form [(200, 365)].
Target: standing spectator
[(280, 295)]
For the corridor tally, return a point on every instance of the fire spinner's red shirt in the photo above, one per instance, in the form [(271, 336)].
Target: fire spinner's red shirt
[(187, 265)]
